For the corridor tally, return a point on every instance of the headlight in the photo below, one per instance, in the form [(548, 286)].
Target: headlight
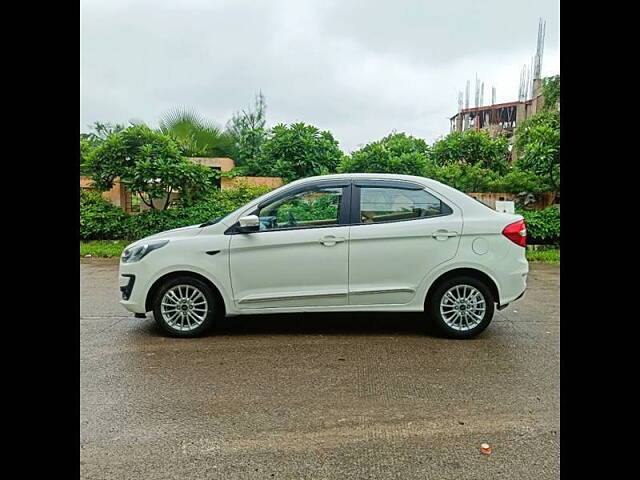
[(138, 252)]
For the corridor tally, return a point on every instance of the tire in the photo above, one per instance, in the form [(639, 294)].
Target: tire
[(463, 317), (202, 307)]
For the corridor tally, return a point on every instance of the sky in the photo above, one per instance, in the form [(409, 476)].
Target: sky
[(358, 68)]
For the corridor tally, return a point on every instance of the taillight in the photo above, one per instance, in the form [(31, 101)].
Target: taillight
[(516, 232)]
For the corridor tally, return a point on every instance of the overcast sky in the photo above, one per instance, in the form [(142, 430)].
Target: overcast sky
[(359, 68)]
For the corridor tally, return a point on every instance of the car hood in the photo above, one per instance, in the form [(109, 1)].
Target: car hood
[(182, 232)]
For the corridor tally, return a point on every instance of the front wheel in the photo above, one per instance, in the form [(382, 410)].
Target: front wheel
[(185, 307), (461, 307)]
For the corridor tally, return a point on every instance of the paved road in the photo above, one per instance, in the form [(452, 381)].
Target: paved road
[(318, 396)]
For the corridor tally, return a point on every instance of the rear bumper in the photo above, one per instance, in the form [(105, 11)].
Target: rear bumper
[(505, 305), (511, 276)]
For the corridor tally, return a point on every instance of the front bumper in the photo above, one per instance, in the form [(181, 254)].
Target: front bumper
[(127, 281), (134, 281)]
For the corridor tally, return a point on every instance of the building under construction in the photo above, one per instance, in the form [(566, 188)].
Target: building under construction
[(502, 118)]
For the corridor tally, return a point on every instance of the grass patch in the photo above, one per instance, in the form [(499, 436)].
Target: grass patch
[(545, 256), (103, 248)]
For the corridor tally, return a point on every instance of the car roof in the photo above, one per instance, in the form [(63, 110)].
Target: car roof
[(368, 176), (471, 206), (461, 199)]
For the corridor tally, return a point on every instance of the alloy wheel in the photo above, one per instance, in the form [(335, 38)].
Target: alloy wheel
[(463, 307), (184, 307)]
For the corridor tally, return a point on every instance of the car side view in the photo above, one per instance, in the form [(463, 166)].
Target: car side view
[(346, 242)]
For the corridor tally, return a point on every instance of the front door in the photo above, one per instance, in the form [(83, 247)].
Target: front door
[(299, 257), (400, 233)]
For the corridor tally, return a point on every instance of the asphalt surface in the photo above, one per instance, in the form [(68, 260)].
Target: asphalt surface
[(330, 396)]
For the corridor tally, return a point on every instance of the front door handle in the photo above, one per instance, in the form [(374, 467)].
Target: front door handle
[(443, 234), (331, 240)]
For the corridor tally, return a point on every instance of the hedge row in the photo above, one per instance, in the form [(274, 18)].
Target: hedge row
[(100, 220), (543, 226)]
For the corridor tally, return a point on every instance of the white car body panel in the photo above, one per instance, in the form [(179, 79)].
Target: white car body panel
[(387, 262), (378, 267), (289, 268)]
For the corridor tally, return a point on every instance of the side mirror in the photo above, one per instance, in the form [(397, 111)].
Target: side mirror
[(250, 223)]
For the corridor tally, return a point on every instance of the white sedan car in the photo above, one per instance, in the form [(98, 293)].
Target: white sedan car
[(334, 243)]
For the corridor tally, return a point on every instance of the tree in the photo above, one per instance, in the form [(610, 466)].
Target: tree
[(150, 165), (298, 151), (85, 150), (89, 141), (472, 147), (465, 177), (475, 178), (551, 91), (537, 147), (249, 149), (247, 127), (395, 153), (250, 119), (101, 130), (542, 154), (196, 136), (549, 118), (519, 181)]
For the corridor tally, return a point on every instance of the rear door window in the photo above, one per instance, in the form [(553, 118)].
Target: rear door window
[(387, 204)]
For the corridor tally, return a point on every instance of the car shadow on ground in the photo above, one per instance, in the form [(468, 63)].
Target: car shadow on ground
[(354, 323)]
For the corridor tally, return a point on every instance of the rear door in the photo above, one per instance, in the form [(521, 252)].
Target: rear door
[(400, 231)]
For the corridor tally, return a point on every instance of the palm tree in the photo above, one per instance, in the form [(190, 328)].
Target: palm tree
[(196, 136)]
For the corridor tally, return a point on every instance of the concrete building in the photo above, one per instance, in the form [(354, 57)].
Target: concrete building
[(501, 118)]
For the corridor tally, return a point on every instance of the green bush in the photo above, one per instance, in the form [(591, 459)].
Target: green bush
[(523, 133), (475, 178), (219, 203), (99, 219), (543, 226), (150, 164), (395, 153), (297, 151), (551, 91), (462, 176), (323, 207), (473, 148), (517, 181)]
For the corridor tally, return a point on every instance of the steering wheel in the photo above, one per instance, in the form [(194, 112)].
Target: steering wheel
[(291, 220)]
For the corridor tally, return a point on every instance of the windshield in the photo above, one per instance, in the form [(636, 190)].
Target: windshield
[(254, 201), (215, 220)]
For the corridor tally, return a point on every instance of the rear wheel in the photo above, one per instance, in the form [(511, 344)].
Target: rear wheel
[(461, 307), (185, 307)]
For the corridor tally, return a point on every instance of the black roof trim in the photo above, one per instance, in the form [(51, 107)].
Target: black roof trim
[(404, 184)]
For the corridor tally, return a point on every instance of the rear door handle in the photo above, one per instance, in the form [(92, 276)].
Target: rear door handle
[(331, 240), (443, 234)]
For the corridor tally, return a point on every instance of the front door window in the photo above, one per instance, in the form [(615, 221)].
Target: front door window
[(319, 207)]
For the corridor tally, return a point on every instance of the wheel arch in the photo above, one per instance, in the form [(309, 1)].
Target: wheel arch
[(151, 293), (468, 271)]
